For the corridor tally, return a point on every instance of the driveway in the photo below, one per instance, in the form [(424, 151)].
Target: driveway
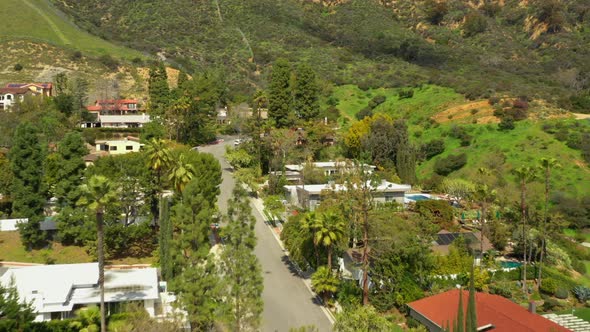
[(288, 303)]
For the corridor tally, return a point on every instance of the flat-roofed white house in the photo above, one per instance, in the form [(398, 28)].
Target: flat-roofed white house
[(310, 196), (57, 291), (117, 113), (120, 146)]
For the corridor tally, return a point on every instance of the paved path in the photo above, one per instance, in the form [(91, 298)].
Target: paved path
[(288, 302)]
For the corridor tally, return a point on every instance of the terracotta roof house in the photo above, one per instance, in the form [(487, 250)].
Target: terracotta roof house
[(43, 88), (117, 113), (494, 313), (444, 238)]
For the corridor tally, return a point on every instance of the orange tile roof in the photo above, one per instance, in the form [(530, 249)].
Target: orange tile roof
[(505, 315)]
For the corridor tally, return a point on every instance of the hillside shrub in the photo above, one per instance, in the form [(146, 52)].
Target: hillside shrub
[(549, 286), (445, 166), (109, 62), (365, 112), (507, 123), (435, 11), (18, 67), (77, 55), (432, 148), (581, 293), (376, 101), (561, 293), (501, 290), (461, 134), (439, 211), (405, 94), (550, 305), (474, 23)]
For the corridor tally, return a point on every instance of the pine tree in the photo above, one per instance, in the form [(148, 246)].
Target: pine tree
[(279, 95), (70, 152), (240, 267), (14, 314), (471, 321), (195, 277), (306, 93), (26, 163), (159, 90)]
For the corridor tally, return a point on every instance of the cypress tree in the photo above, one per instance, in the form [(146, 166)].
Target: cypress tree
[(240, 267), (306, 93), (71, 151), (26, 164), (279, 95), (460, 324), (471, 322), (165, 238), (159, 90)]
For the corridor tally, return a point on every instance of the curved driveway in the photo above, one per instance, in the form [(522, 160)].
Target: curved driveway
[(288, 303)]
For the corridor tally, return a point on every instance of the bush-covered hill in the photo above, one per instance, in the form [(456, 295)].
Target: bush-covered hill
[(534, 48)]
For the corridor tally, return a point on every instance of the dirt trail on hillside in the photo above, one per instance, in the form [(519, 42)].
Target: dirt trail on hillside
[(580, 116)]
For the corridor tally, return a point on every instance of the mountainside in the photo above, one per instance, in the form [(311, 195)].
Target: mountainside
[(533, 48)]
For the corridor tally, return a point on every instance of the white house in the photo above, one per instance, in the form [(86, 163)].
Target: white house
[(117, 113), (57, 291), (8, 225), (16, 92), (121, 146), (310, 196)]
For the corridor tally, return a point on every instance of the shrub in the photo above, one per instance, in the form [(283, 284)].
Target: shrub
[(365, 112), (435, 10), (561, 293), (501, 290), (581, 293), (474, 111), (474, 23), (109, 62), (18, 67), (520, 103), (550, 305), (439, 210), (77, 55), (506, 124), (432, 148), (493, 100), (137, 61), (405, 94), (549, 286), (445, 166), (376, 101)]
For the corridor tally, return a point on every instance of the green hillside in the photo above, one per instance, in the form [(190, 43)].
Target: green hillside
[(38, 21), (477, 48)]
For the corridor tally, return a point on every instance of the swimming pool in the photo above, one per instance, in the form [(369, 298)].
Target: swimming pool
[(508, 264), (417, 198)]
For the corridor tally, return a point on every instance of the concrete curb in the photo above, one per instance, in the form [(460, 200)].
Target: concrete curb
[(257, 202)]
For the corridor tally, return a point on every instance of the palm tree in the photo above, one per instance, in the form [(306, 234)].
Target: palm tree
[(324, 282), (524, 175), (546, 165), (158, 161), (308, 223), (181, 173), (329, 229), (96, 194)]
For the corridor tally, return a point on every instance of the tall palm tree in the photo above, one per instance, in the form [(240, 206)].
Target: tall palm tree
[(329, 229), (181, 173), (546, 165), (308, 223), (524, 175), (158, 160), (97, 193)]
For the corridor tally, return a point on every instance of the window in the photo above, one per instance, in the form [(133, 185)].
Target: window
[(129, 148), (113, 148)]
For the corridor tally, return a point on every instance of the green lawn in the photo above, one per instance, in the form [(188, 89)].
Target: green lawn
[(37, 20), (583, 313), (12, 250)]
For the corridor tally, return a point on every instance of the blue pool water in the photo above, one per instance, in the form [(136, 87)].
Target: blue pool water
[(505, 264), (418, 197)]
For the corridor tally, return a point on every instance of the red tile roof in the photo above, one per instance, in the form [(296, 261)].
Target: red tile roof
[(505, 315), (15, 91)]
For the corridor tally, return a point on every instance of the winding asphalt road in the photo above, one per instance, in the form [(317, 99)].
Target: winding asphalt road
[(288, 303)]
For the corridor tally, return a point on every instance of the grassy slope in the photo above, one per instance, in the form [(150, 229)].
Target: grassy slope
[(12, 250), (524, 145), (38, 21)]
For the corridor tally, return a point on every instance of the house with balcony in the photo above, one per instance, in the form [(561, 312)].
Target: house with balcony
[(16, 92), (117, 113)]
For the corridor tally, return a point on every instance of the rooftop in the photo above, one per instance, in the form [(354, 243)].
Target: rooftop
[(140, 118), (53, 288), (503, 314), (384, 186)]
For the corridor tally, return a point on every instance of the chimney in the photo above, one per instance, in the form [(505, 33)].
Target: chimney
[(532, 307)]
